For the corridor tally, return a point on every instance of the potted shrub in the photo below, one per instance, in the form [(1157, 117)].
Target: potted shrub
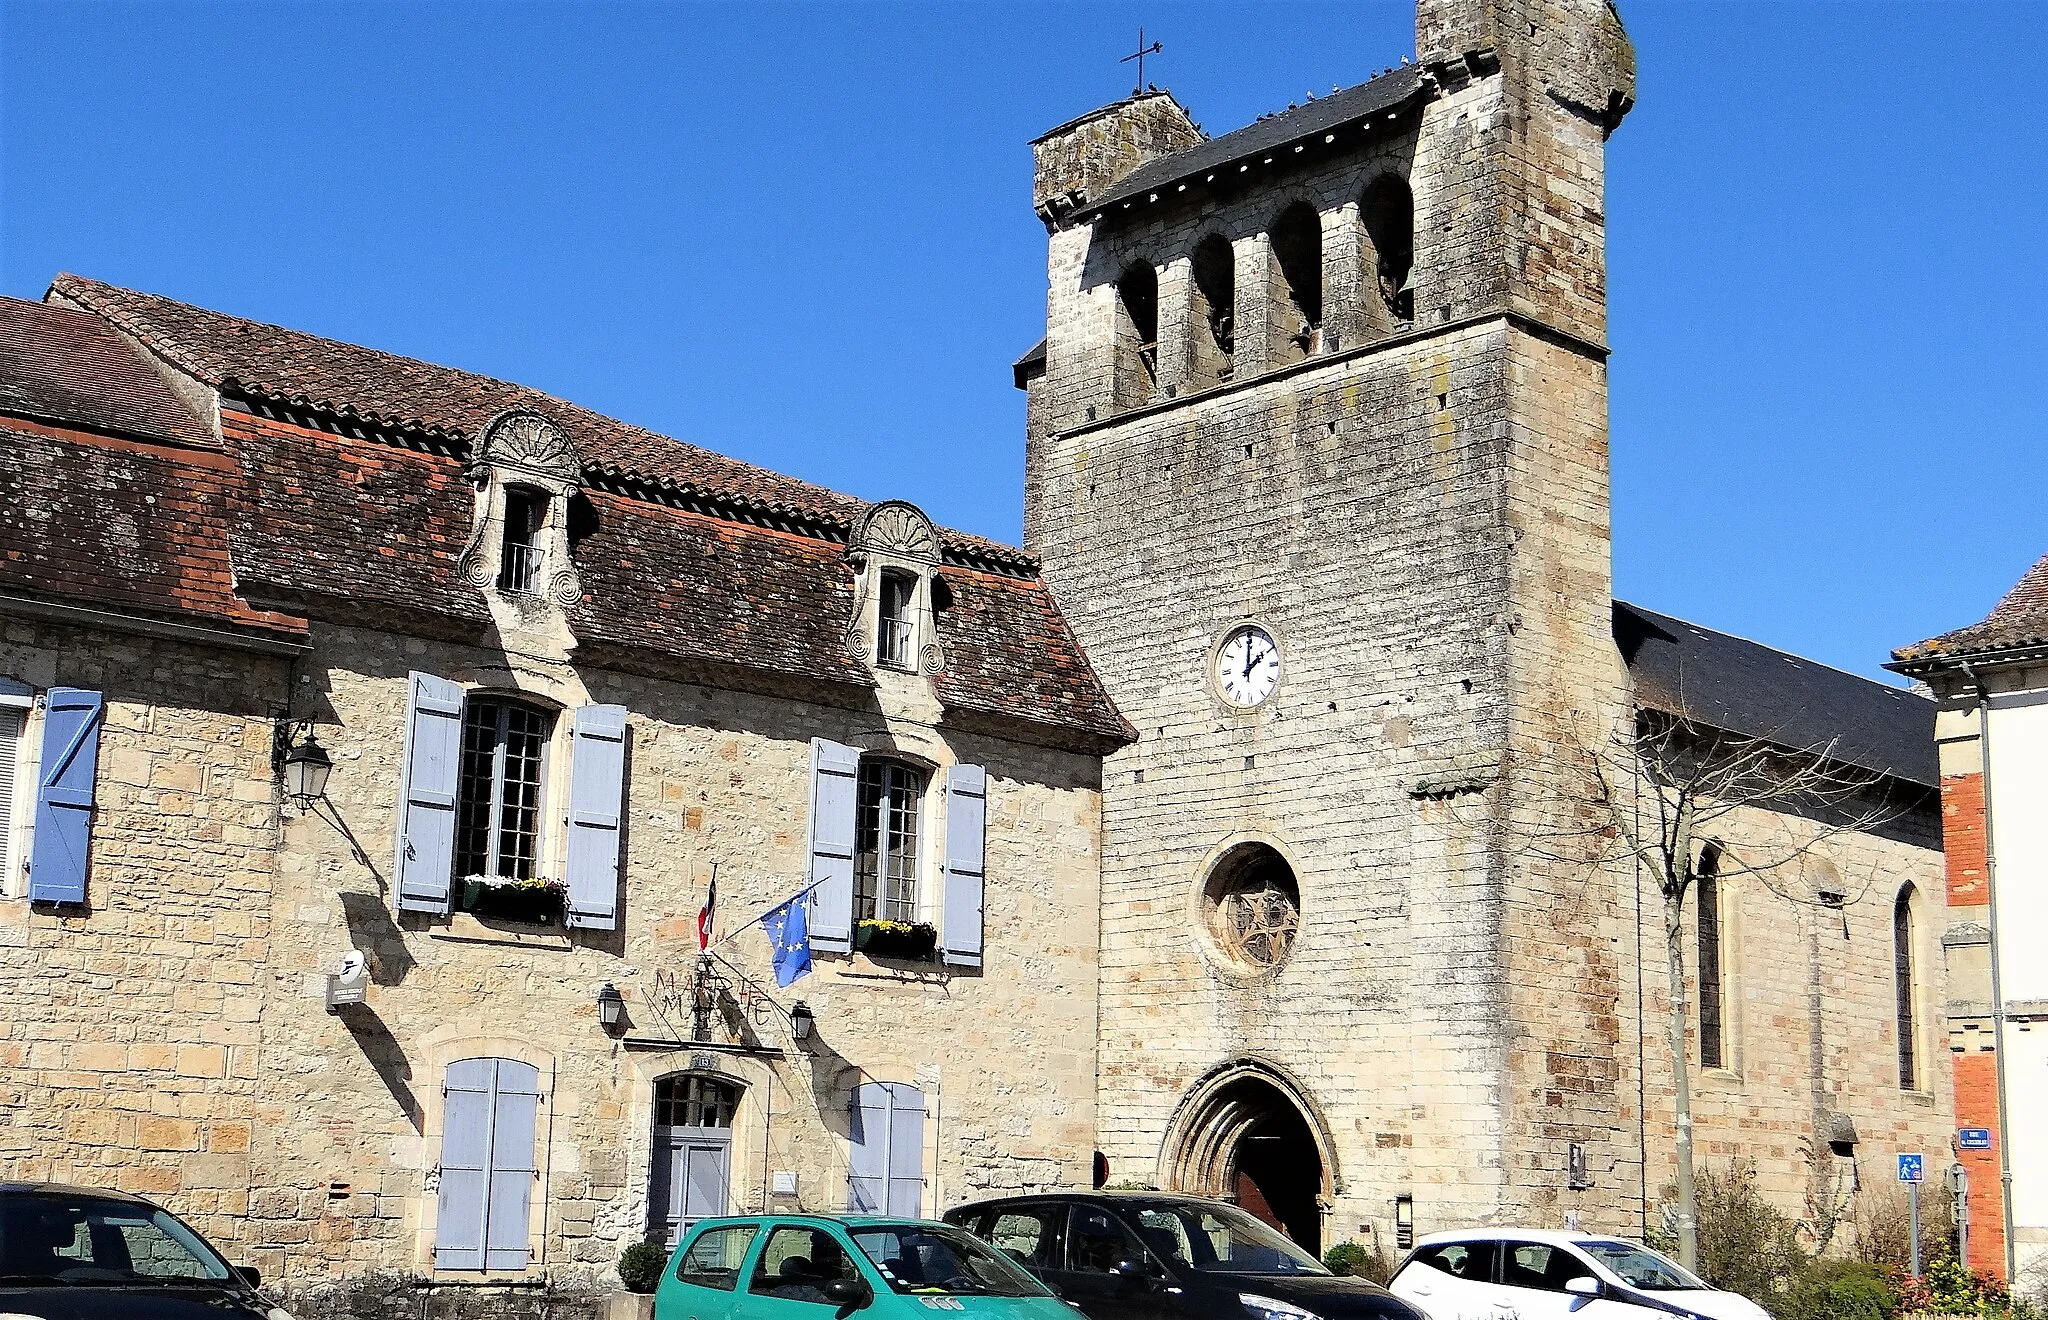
[(640, 1266), (879, 937)]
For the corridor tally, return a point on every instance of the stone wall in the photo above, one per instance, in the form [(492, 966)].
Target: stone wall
[(130, 1051), (717, 781)]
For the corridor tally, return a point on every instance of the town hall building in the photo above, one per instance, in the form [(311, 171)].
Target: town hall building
[(374, 737)]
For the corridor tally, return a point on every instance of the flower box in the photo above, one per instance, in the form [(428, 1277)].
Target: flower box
[(911, 942), (533, 902)]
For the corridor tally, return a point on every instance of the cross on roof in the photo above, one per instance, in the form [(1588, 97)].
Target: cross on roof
[(1139, 55)]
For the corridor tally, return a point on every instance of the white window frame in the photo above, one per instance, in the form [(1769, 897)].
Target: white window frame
[(17, 834), (922, 797), (546, 837)]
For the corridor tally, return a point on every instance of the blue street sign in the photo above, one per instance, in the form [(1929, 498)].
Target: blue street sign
[(1912, 1168), (1974, 1138)]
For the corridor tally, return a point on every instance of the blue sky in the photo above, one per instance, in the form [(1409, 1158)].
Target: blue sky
[(801, 234)]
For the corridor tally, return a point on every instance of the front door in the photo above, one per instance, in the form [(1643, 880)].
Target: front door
[(692, 1168)]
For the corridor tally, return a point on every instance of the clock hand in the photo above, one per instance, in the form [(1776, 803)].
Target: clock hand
[(1248, 654)]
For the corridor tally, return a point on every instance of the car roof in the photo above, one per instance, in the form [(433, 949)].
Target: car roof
[(1556, 1237), (69, 1189), (1097, 1197), (844, 1221)]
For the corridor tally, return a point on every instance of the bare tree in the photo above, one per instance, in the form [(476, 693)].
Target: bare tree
[(1657, 789)]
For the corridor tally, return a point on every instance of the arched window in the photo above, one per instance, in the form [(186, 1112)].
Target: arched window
[(1215, 311), (1707, 885), (1137, 334), (1388, 211), (1902, 987), (497, 812), (1297, 237), (885, 843)]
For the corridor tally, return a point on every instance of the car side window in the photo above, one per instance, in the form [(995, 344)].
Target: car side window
[(797, 1263), (1097, 1241), (1029, 1235), (1470, 1261), (713, 1260), (1540, 1266)]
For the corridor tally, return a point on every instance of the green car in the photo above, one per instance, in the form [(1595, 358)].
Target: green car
[(815, 1267)]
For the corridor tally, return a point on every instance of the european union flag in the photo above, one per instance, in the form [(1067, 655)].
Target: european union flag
[(789, 939)]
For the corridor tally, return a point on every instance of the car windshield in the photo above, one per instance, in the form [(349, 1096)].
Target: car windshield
[(51, 1238), (936, 1260), (1220, 1239), (1640, 1267)]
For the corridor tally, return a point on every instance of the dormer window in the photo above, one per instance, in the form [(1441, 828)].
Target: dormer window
[(896, 642), (521, 554)]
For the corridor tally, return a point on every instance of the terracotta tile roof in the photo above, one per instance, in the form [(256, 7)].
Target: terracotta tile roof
[(67, 367), (1757, 691), (353, 504), (255, 360), (2020, 621), (139, 528)]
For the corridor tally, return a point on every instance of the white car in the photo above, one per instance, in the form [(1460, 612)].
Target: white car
[(1538, 1274)]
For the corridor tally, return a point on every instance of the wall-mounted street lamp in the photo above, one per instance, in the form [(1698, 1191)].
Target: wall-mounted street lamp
[(306, 767), (611, 1008), (801, 1020)]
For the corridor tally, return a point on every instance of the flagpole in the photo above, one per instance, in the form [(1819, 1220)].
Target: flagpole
[(758, 917)]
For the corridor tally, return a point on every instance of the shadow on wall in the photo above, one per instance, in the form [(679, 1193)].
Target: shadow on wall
[(384, 1054)]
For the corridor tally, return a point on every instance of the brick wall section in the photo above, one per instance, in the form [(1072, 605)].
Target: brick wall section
[(1962, 833), (1976, 1100), (130, 1048)]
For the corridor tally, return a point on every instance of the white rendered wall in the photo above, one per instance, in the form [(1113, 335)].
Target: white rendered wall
[(2019, 823)]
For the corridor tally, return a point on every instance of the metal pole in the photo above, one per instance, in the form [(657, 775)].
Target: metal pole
[(1913, 1222)]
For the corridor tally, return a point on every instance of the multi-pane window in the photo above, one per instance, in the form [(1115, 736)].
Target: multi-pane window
[(13, 765), (885, 841), (1902, 982), (694, 1102), (497, 819), (896, 633), (1708, 883), (519, 558)]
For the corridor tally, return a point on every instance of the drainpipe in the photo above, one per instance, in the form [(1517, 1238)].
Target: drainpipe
[(1997, 988)]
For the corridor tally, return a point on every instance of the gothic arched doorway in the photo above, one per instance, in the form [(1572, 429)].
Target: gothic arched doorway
[(1246, 1133)]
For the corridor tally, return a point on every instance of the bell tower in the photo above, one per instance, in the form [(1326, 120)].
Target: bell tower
[(1317, 465)]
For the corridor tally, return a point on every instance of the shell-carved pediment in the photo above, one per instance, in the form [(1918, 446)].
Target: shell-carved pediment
[(526, 442), (896, 527)]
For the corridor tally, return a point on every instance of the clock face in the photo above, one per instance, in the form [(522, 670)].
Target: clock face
[(1247, 666)]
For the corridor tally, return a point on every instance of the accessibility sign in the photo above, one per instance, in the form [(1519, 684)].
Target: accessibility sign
[(1912, 1168), (1973, 1138)]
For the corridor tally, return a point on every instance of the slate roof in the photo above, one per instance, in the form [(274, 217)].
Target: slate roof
[(65, 366), (345, 497), (1311, 121), (2019, 622), (1759, 692)]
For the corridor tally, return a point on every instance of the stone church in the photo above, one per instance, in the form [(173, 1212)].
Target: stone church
[(1351, 364), (1178, 848)]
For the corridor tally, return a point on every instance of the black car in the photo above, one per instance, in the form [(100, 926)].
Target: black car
[(77, 1253), (1155, 1256)]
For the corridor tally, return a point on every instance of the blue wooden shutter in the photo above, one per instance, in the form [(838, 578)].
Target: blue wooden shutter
[(597, 795), (426, 796), (64, 795), (490, 1118), (886, 1164), (515, 1117), (465, 1164), (966, 861), (835, 776), (906, 1150)]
